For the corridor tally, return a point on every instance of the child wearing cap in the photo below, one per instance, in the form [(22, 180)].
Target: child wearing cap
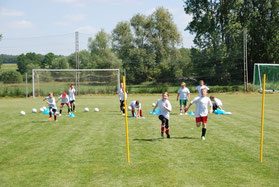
[(64, 100), (164, 113), (72, 97)]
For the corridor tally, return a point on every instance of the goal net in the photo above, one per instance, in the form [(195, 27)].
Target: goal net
[(272, 76), (86, 81)]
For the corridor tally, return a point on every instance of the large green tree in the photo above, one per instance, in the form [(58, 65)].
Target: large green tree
[(101, 53)]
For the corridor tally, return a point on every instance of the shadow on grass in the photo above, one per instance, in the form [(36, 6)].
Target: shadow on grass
[(148, 139), (159, 139)]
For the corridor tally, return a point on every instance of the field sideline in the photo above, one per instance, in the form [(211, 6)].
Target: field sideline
[(90, 150)]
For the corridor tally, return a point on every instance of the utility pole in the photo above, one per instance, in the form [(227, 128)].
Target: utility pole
[(245, 69), (77, 60)]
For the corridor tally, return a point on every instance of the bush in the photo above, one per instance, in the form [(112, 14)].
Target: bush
[(10, 77)]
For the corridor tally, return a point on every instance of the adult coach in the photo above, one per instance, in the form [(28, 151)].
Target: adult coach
[(201, 86)]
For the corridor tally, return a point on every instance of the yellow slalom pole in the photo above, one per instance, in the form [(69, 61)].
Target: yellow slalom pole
[(263, 97), (126, 119)]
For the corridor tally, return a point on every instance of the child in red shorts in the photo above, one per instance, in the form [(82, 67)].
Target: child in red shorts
[(202, 110)]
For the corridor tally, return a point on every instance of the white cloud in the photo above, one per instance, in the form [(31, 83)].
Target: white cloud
[(10, 13), (75, 3), (22, 24), (87, 29)]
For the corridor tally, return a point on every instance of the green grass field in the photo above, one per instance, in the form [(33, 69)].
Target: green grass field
[(8, 67), (90, 150)]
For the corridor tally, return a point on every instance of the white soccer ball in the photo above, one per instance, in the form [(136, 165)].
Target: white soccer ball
[(153, 104), (44, 107), (22, 113), (129, 108), (41, 109), (34, 110), (96, 109), (86, 109)]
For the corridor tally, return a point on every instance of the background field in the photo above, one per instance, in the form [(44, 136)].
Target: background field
[(90, 150)]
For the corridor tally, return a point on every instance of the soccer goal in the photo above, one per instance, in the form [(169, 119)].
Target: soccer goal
[(86, 81), (272, 76)]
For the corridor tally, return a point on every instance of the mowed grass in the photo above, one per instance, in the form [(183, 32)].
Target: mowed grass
[(90, 149), (8, 67)]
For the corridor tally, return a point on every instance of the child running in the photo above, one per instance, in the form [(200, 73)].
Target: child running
[(121, 98), (164, 113), (184, 95), (72, 98), (201, 110), (201, 86), (52, 106), (64, 100), (136, 109)]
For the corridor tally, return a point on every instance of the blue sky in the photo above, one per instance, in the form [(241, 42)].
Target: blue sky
[(43, 26)]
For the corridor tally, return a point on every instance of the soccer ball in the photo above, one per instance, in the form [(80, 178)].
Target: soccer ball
[(129, 108), (96, 109), (44, 107), (41, 109), (34, 110), (153, 104), (86, 109), (22, 113)]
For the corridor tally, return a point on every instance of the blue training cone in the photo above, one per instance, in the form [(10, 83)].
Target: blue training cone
[(72, 115), (46, 111), (191, 113)]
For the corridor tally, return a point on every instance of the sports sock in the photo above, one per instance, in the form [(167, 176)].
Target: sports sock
[(163, 128), (50, 114), (168, 131), (140, 113), (74, 107), (69, 109), (60, 111), (54, 117), (203, 131)]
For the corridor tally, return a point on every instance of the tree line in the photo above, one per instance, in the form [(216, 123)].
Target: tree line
[(149, 47)]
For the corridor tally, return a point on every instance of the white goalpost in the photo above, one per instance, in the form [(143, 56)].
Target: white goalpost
[(86, 81), (272, 76)]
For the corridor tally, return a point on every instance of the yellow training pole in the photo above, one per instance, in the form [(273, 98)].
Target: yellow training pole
[(126, 119), (263, 97)]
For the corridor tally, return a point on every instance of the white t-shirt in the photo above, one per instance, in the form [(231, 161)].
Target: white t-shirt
[(201, 106), (64, 99), (121, 97), (162, 111), (52, 102), (133, 104), (183, 93), (72, 94), (201, 87), (218, 102)]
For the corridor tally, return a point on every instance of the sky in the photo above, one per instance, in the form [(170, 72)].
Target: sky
[(44, 26)]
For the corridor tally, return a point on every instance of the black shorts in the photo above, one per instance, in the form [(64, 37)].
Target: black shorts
[(71, 102), (52, 109)]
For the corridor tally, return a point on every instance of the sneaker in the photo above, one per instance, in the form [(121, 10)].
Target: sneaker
[(168, 136), (162, 134), (59, 114), (56, 120), (49, 118), (181, 113), (186, 113), (203, 138)]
